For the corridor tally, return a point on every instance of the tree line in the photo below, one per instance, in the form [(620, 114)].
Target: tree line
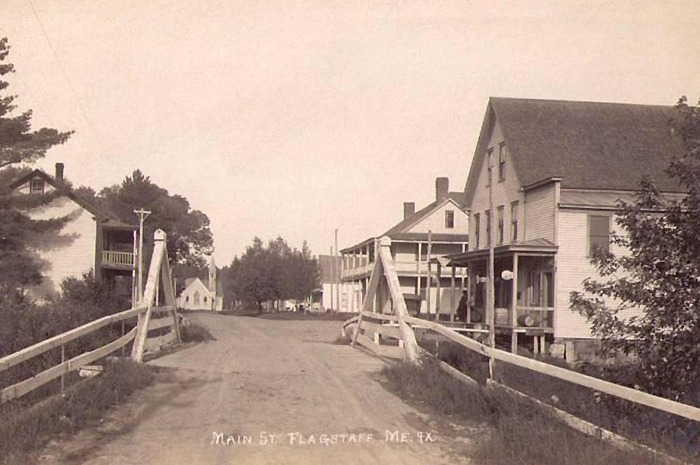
[(271, 273)]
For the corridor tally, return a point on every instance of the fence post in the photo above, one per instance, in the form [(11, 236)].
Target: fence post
[(410, 345)]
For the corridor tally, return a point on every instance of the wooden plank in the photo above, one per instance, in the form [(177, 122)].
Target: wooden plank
[(346, 324), (365, 342), (458, 375), (586, 427), (154, 344), (169, 292), (379, 316), (28, 385), (632, 395), (158, 323), (159, 238), (56, 341), (369, 297), (384, 330), (407, 336)]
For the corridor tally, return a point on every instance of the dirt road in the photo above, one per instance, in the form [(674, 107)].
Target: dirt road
[(269, 392)]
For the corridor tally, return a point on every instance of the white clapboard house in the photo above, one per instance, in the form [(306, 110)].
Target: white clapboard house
[(559, 168)]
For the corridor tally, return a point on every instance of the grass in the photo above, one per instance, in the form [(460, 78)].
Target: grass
[(661, 431), (24, 430), (195, 332), (520, 431)]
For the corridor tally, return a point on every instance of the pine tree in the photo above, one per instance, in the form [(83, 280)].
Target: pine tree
[(19, 145)]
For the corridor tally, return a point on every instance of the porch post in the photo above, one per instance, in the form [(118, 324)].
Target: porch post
[(470, 292), (439, 291), (514, 306), (429, 285), (418, 272), (452, 294)]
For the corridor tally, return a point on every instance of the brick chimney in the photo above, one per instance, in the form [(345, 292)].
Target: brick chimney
[(409, 208), (59, 172), (442, 187)]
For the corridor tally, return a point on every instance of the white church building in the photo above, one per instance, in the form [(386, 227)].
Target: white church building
[(200, 296)]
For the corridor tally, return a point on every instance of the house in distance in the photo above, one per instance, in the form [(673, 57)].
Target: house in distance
[(421, 237), (558, 170)]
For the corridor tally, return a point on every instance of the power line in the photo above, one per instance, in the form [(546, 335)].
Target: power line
[(60, 65), (36, 100)]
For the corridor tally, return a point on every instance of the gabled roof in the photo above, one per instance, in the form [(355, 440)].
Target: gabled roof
[(588, 145), (106, 219), (457, 197)]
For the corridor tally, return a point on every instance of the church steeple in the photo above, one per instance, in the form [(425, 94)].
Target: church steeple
[(212, 276)]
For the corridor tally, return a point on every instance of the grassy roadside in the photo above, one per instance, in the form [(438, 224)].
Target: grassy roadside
[(521, 432), (24, 430)]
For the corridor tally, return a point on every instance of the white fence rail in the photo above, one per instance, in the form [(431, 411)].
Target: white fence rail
[(372, 322), (159, 271)]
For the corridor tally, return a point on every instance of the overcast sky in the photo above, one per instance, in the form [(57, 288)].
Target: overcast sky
[(294, 118)]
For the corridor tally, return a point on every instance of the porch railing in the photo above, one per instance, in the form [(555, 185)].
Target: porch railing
[(113, 257)]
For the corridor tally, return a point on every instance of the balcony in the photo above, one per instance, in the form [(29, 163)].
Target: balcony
[(116, 259)]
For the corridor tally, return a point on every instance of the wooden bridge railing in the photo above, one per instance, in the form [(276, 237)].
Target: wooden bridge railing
[(401, 326), (159, 271)]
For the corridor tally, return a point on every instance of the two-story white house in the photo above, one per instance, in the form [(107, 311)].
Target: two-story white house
[(89, 240), (558, 170), (423, 236)]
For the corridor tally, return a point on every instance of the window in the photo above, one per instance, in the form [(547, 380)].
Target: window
[(598, 233), (489, 152), (449, 219), (477, 229), (502, 153), (499, 213), (488, 228), (36, 186), (514, 221), (205, 299)]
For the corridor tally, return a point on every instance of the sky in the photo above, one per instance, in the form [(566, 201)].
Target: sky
[(295, 118)]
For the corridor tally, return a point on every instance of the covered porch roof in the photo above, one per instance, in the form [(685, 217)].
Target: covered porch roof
[(537, 247)]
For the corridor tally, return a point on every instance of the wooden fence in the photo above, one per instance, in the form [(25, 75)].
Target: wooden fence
[(401, 326), (159, 271)]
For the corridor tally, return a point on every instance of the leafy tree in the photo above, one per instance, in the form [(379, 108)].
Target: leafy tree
[(189, 237), (276, 272), (660, 274), (19, 144)]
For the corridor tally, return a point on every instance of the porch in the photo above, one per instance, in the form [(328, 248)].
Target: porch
[(529, 269), (118, 250)]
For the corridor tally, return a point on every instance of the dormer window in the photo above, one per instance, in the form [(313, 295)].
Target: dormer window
[(36, 186)]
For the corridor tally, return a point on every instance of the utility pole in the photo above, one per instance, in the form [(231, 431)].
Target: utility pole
[(143, 214), (332, 276), (337, 276), (490, 310)]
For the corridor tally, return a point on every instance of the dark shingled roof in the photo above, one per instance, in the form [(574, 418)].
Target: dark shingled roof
[(589, 145)]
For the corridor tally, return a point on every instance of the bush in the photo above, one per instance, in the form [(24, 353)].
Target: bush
[(194, 332)]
